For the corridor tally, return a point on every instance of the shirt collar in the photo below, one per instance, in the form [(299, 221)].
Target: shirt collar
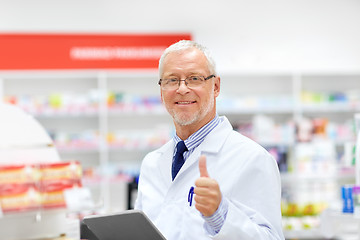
[(198, 137)]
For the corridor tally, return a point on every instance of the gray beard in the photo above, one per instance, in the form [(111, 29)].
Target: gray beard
[(185, 121)]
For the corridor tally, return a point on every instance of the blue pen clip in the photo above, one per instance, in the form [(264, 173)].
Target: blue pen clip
[(190, 196)]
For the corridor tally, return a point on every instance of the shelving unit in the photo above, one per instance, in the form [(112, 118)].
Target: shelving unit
[(113, 118), (38, 224)]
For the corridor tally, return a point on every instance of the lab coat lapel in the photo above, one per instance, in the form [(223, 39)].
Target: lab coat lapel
[(165, 161), (211, 145), (189, 162), (217, 137)]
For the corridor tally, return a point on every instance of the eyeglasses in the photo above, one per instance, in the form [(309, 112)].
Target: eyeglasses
[(190, 82)]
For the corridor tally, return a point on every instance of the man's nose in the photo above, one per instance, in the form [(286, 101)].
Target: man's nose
[(183, 87)]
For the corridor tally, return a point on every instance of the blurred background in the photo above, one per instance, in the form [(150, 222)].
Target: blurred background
[(290, 72)]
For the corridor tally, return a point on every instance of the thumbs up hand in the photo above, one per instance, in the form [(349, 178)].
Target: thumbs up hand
[(207, 191)]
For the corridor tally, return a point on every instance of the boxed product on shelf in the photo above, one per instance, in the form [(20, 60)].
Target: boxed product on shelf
[(280, 154), (266, 131), (88, 139), (316, 158), (52, 192), (139, 139), (55, 179), (28, 187), (19, 174), (125, 102), (19, 197), (356, 200), (300, 209), (71, 103), (302, 213), (305, 223), (347, 197), (279, 102), (347, 98), (60, 170), (57, 103)]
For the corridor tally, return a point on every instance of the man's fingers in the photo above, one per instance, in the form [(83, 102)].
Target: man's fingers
[(202, 166)]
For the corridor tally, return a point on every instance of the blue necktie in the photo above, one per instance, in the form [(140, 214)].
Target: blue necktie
[(178, 159)]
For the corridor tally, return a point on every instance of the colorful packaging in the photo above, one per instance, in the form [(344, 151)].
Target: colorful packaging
[(19, 197), (356, 200), (18, 174), (27, 187), (61, 170), (347, 197), (52, 192), (55, 178)]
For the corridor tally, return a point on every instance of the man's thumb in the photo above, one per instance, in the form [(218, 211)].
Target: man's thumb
[(202, 166)]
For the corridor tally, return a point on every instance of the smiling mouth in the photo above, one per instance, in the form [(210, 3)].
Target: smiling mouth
[(185, 102)]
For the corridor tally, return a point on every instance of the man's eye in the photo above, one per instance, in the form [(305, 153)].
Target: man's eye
[(195, 78), (173, 80), (170, 81)]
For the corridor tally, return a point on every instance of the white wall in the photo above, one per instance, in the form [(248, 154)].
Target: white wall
[(244, 35)]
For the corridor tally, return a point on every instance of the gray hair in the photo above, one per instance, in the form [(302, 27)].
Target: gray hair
[(186, 44)]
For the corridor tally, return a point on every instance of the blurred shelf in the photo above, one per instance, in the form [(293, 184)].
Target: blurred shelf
[(257, 110), (308, 234), (160, 110), (73, 150), (119, 149), (330, 107), (276, 143), (63, 113), (333, 225), (98, 180), (34, 224), (110, 148), (138, 110), (340, 175), (101, 116)]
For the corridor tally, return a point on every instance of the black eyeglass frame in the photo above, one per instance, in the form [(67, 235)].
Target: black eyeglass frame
[(179, 80)]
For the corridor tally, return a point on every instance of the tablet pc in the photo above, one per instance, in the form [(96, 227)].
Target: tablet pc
[(130, 224)]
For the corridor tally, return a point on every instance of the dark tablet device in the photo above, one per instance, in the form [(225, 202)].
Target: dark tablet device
[(127, 225)]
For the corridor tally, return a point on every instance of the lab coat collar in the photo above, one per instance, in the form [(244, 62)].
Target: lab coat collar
[(216, 138), (211, 144)]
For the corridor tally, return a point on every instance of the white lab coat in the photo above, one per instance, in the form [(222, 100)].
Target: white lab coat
[(248, 177)]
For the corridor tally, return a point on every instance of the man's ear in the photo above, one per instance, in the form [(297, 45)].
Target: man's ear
[(217, 86), (161, 96)]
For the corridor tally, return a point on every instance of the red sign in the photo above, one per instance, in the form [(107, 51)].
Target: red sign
[(83, 51)]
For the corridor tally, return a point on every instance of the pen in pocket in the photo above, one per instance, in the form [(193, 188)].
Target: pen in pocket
[(190, 196)]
